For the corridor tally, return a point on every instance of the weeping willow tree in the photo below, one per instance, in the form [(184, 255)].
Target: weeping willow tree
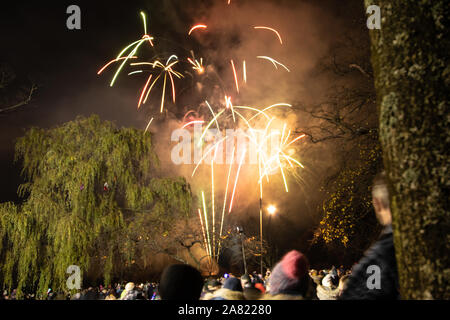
[(87, 184)]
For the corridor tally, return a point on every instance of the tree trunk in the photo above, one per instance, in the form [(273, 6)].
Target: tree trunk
[(411, 68)]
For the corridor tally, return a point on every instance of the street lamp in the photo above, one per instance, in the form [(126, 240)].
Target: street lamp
[(271, 209)]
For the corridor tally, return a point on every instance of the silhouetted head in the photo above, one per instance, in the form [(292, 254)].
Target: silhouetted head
[(180, 282)]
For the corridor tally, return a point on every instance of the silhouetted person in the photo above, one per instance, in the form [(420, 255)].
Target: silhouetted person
[(381, 255), (180, 282)]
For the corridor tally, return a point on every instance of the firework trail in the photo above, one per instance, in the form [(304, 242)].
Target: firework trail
[(271, 29), (198, 26)]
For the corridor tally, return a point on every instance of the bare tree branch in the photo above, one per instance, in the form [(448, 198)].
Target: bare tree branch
[(353, 65), (33, 88)]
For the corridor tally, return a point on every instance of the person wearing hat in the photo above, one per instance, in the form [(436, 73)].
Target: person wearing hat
[(289, 279), (231, 290), (180, 282)]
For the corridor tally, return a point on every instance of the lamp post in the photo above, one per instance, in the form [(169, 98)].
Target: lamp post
[(240, 230), (261, 233), (271, 210)]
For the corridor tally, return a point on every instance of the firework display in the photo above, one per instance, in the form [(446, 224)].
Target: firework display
[(260, 125)]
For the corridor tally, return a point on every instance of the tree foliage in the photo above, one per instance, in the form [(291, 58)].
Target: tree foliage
[(349, 219), (68, 218)]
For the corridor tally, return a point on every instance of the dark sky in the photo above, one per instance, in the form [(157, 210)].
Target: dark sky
[(36, 44)]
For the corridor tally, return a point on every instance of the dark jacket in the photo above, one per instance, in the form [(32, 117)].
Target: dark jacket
[(381, 254)]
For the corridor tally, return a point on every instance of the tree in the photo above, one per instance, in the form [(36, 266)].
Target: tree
[(88, 185), (232, 258), (349, 224), (411, 69), (346, 117)]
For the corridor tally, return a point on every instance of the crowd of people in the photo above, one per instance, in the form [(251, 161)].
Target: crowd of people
[(290, 279)]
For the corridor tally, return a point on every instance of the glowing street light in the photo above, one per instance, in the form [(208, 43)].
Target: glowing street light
[(271, 209)]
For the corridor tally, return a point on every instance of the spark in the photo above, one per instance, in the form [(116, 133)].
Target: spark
[(148, 125), (206, 154), (166, 69), (170, 58), (150, 89), (236, 180), (163, 93), (214, 116), (235, 76), (198, 26), (226, 191), (244, 70), (271, 29), (134, 72), (203, 230), (275, 159), (188, 113), (206, 221), (192, 122), (253, 109), (124, 62), (212, 202), (298, 138), (207, 127), (270, 107), (147, 37), (274, 62), (229, 105), (196, 64), (143, 90), (112, 61), (144, 21)]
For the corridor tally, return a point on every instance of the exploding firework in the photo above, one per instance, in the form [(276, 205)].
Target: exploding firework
[(258, 124)]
